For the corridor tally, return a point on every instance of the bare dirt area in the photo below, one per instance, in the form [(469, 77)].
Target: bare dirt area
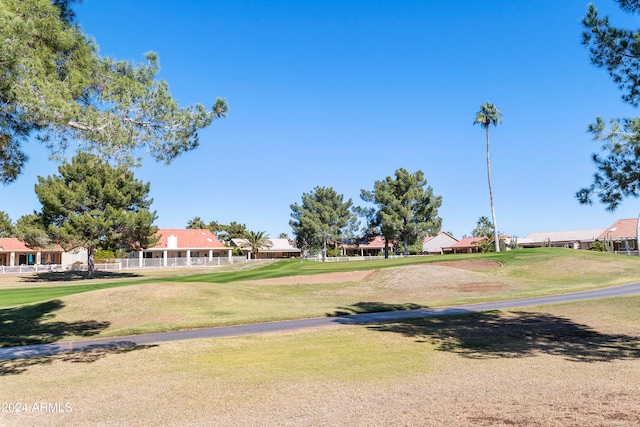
[(470, 264)]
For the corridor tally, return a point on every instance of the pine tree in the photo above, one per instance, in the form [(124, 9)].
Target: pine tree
[(55, 86), (91, 205), (406, 207), (322, 216)]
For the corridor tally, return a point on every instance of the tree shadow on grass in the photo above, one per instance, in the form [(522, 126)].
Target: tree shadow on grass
[(372, 307), (516, 334), (72, 276), (33, 324), (90, 355)]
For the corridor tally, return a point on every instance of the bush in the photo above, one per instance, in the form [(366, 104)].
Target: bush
[(596, 246), (103, 256), (333, 252)]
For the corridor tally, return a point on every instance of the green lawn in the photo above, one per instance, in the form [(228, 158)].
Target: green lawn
[(142, 305), (544, 266)]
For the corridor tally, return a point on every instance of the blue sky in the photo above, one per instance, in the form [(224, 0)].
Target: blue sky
[(343, 93)]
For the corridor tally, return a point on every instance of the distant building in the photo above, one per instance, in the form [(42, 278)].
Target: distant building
[(278, 248), (436, 245), (14, 252), (186, 243), (622, 236), (372, 247), (468, 245), (573, 239)]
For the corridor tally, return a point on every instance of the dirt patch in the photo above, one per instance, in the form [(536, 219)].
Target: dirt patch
[(346, 276), (470, 264)]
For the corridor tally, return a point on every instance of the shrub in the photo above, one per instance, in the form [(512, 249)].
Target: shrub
[(104, 255)]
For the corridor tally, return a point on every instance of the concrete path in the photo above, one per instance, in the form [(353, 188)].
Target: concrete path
[(291, 325)]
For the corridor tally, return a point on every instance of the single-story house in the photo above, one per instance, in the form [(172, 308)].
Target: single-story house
[(622, 236), (434, 245), (14, 252), (467, 245), (373, 247), (185, 243), (276, 248), (574, 239)]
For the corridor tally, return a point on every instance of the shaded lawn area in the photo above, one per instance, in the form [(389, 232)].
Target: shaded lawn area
[(509, 334), (32, 324)]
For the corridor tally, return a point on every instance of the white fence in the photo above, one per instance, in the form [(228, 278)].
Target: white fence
[(132, 264), (356, 258)]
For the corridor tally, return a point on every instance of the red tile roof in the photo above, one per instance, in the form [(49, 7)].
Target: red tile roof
[(468, 242), (621, 229), (13, 244), (188, 239), (376, 242)]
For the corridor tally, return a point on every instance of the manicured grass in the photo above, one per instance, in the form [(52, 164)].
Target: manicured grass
[(13, 297), (548, 265), (166, 303), (544, 266)]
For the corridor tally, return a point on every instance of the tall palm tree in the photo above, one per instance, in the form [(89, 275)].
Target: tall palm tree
[(196, 223), (256, 240), (490, 115)]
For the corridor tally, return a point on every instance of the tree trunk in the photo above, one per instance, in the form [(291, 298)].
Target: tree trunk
[(386, 249), (406, 245), (91, 266), (324, 250), (496, 237)]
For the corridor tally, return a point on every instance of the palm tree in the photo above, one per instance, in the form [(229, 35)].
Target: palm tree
[(488, 115), (256, 240), (196, 223)]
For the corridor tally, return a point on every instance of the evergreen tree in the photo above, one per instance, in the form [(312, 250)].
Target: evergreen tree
[(91, 205), (234, 230), (616, 50), (406, 208), (6, 225), (55, 86), (323, 215)]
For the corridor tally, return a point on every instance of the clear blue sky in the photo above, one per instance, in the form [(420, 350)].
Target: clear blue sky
[(343, 93)]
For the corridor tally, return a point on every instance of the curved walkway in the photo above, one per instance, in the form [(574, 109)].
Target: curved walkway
[(290, 325)]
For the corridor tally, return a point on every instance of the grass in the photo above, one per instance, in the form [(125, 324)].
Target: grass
[(123, 306), (565, 364), (543, 266)]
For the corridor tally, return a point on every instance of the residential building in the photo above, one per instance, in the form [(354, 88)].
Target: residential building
[(574, 239), (14, 252), (185, 243), (435, 245), (276, 248), (372, 247), (621, 237), (467, 245)]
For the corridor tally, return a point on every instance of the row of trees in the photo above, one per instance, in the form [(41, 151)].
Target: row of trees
[(404, 208)]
